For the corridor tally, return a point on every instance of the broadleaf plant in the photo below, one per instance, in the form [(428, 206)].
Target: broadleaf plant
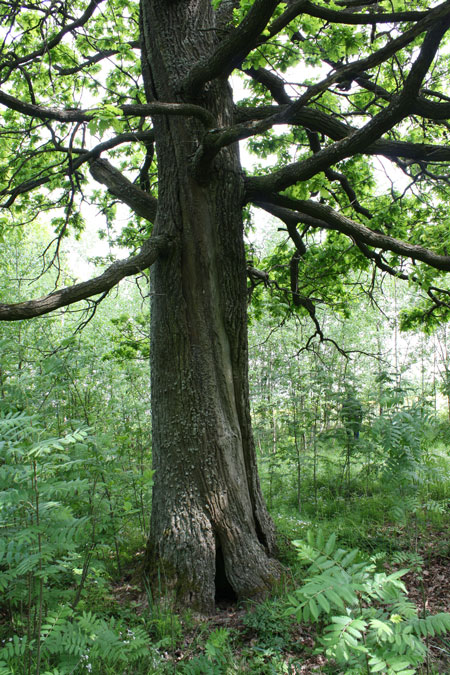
[(364, 617)]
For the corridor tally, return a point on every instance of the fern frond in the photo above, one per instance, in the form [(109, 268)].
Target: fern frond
[(437, 624)]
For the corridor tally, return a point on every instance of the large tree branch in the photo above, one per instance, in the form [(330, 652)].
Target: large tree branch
[(317, 120), (305, 7), (77, 157), (272, 82), (398, 108), (233, 49), (435, 20), (292, 218), (294, 9), (329, 219), (133, 110), (139, 201), (335, 16), (370, 132), (422, 106), (240, 42), (101, 284)]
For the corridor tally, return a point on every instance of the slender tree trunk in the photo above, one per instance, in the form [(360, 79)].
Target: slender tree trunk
[(210, 531), (298, 456)]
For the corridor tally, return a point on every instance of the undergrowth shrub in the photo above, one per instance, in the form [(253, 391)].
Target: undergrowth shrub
[(268, 623), (52, 509), (364, 617), (217, 659)]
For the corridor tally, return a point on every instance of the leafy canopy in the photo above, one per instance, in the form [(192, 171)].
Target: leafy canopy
[(345, 107)]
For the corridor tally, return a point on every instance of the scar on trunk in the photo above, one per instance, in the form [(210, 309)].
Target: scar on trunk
[(224, 592)]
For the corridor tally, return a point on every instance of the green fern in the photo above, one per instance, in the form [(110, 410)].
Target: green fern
[(67, 637), (365, 617), (438, 624), (410, 558)]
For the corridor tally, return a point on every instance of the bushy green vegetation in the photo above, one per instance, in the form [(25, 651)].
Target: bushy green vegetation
[(361, 504)]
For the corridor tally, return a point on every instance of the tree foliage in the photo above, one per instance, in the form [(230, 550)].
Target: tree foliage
[(330, 88)]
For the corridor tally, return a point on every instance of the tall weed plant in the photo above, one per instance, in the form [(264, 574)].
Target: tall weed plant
[(52, 511)]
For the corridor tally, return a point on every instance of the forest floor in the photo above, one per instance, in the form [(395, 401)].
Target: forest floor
[(428, 586)]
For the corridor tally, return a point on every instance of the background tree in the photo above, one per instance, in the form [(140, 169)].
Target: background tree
[(376, 88)]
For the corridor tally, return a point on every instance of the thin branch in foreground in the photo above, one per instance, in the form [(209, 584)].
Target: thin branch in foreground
[(149, 252)]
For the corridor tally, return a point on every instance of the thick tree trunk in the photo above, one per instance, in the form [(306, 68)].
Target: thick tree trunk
[(210, 530)]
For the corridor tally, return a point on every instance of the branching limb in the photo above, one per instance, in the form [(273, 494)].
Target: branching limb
[(233, 49), (216, 139), (13, 61), (335, 16), (240, 42), (95, 58), (333, 175), (146, 137), (344, 352), (150, 251), (91, 310), (379, 262), (435, 23), (256, 278), (399, 108), (327, 218), (370, 132), (293, 10), (298, 7), (423, 107), (138, 200), (272, 82), (132, 110), (317, 120), (79, 157)]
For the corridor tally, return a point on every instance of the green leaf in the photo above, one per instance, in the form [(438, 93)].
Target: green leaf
[(323, 602), (335, 598), (313, 608), (349, 558), (331, 543)]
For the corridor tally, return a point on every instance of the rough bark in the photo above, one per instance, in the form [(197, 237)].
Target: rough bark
[(210, 530)]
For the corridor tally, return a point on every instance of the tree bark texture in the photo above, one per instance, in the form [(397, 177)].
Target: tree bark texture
[(210, 529)]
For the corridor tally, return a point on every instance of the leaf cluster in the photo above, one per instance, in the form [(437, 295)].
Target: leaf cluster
[(364, 616)]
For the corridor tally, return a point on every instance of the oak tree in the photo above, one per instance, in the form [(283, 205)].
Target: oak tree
[(138, 100)]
